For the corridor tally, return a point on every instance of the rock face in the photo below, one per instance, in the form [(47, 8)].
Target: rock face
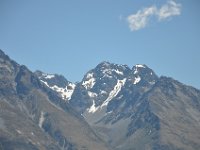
[(129, 108), (136, 109), (34, 117)]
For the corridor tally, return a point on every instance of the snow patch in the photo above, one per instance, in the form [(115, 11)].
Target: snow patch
[(45, 83), (92, 94), (114, 92), (88, 84), (93, 108), (65, 93), (108, 72), (136, 71), (89, 75), (41, 120), (48, 76), (109, 112), (138, 66), (137, 80), (119, 72), (103, 92)]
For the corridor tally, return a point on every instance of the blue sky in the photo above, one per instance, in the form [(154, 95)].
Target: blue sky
[(70, 37)]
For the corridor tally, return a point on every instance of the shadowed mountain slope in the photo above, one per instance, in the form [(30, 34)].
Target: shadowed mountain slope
[(34, 117)]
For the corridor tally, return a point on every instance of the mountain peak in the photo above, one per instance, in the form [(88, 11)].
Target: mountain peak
[(41, 74), (140, 66), (107, 69), (57, 83), (3, 55), (104, 63), (1, 52), (143, 73), (109, 64)]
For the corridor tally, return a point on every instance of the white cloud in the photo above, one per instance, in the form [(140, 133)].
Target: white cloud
[(168, 10), (141, 18)]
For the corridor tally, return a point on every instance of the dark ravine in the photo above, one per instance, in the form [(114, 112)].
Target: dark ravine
[(129, 108)]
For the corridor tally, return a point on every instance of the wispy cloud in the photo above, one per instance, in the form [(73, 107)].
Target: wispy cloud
[(142, 17), (168, 10)]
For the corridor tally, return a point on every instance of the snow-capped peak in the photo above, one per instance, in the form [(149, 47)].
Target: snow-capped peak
[(140, 66), (110, 70), (137, 67)]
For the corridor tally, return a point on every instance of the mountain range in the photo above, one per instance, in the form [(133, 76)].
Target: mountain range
[(113, 107)]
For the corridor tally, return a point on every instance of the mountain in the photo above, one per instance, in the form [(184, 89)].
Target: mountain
[(134, 109), (57, 83), (35, 117), (113, 106)]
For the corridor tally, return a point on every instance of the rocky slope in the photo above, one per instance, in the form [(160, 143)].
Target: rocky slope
[(34, 117)]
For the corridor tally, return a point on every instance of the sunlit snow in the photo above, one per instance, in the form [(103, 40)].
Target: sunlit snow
[(114, 92), (89, 75), (119, 72), (138, 66), (92, 94), (90, 82), (48, 76), (137, 80), (108, 72), (103, 92), (92, 109), (65, 93)]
